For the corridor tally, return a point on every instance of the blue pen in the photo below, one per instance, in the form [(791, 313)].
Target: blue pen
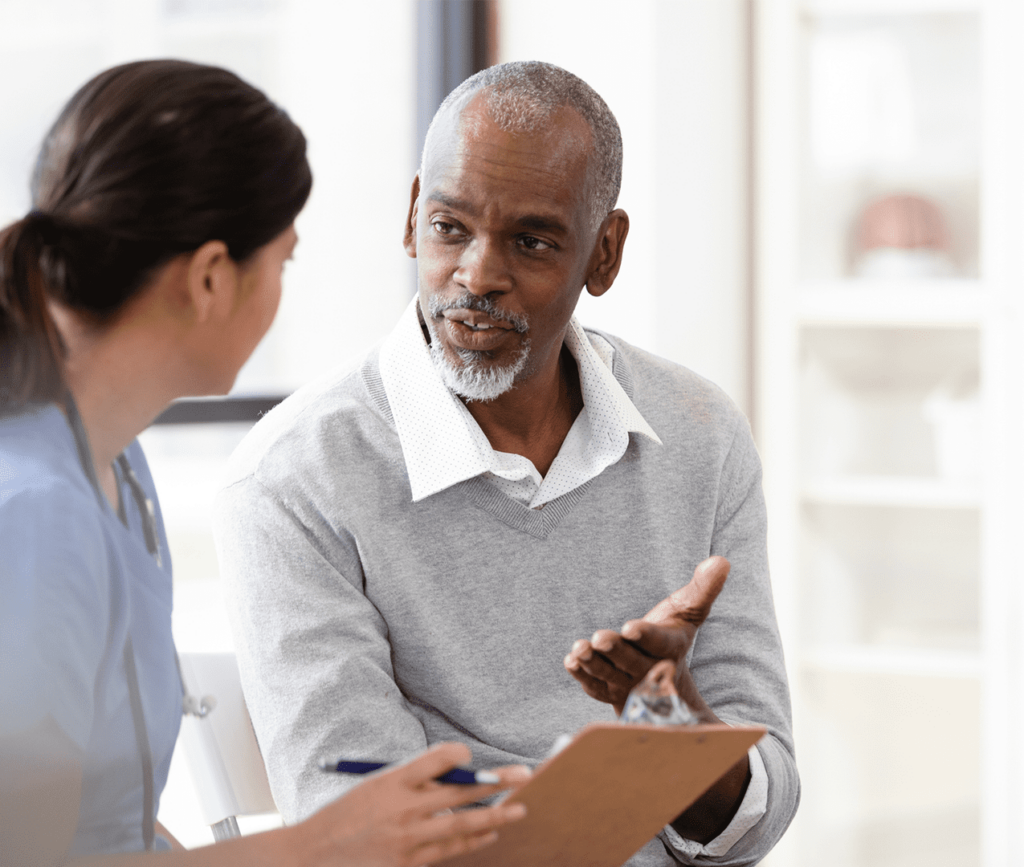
[(458, 776)]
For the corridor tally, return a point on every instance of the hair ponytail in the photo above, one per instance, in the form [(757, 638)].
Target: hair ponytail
[(31, 351)]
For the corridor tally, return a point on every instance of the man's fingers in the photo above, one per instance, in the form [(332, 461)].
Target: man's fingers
[(709, 579), (610, 664), (581, 651), (601, 668), (692, 603), (605, 654), (630, 657), (604, 640), (659, 641), (596, 688)]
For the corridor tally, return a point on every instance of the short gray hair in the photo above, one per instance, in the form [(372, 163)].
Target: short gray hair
[(522, 96)]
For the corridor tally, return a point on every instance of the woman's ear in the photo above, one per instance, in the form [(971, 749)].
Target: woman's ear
[(212, 281)]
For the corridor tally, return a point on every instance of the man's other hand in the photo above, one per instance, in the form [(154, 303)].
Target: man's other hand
[(611, 663)]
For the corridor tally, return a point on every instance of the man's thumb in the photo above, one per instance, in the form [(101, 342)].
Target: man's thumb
[(693, 602)]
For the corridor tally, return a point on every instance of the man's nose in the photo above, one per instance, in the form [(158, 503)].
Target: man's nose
[(483, 268)]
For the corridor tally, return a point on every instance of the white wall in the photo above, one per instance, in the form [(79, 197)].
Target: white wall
[(672, 71), (351, 274), (343, 70)]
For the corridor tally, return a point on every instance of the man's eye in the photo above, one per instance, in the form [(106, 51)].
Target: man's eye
[(442, 227), (532, 243)]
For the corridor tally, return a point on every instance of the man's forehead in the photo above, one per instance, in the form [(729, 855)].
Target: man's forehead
[(561, 134)]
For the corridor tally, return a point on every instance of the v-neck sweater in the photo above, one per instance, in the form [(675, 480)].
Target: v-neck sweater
[(371, 626)]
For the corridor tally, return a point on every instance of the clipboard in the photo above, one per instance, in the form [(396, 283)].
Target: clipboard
[(605, 795)]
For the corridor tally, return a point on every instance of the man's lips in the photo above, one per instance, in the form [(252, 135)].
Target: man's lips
[(476, 331), (474, 320)]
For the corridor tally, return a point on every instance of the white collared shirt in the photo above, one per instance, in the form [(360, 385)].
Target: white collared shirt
[(443, 445)]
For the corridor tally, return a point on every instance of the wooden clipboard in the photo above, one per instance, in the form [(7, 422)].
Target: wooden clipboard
[(611, 790)]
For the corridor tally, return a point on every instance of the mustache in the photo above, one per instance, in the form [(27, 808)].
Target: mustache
[(484, 305)]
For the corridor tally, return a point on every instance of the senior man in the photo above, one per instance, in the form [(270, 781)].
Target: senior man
[(412, 546)]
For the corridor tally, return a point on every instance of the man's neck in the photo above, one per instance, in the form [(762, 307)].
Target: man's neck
[(533, 419)]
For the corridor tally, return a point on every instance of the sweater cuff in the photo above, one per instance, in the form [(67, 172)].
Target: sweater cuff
[(752, 808)]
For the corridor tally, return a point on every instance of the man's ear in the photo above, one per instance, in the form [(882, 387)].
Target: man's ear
[(607, 256), (409, 240), (212, 281)]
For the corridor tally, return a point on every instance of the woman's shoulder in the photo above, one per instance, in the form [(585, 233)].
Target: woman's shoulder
[(38, 458), (44, 493)]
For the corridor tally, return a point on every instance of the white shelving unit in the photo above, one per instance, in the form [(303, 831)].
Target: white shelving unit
[(893, 303), (889, 406), (891, 492)]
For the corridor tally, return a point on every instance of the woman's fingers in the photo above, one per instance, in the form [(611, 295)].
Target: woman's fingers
[(437, 760), (431, 852), (449, 834), (446, 796), (403, 817), (511, 776), (419, 776)]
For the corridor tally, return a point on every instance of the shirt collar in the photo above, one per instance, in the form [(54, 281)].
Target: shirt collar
[(595, 358), (441, 442)]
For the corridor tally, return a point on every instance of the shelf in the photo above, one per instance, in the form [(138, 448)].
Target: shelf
[(905, 661), (906, 304), (888, 407), (892, 491)]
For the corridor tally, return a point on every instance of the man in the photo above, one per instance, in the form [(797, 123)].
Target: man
[(413, 546)]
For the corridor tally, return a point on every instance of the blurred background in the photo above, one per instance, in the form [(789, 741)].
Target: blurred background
[(826, 201)]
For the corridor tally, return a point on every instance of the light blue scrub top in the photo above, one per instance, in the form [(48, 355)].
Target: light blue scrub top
[(73, 581)]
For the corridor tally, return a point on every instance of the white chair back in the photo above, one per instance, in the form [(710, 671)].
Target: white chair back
[(220, 746)]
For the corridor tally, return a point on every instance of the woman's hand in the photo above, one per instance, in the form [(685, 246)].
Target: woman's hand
[(402, 817)]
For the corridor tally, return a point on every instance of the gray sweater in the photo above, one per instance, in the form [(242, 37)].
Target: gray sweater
[(370, 626)]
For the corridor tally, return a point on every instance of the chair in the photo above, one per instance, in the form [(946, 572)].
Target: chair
[(220, 746)]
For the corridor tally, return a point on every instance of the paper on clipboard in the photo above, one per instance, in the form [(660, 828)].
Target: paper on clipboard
[(611, 790)]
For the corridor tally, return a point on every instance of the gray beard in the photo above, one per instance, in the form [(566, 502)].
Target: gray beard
[(473, 380)]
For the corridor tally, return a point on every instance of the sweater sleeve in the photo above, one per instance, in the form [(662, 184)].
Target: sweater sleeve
[(313, 651), (737, 662)]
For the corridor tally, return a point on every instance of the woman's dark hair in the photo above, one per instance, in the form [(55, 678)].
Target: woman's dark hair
[(147, 161)]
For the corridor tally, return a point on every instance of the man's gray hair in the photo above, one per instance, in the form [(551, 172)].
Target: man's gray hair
[(522, 96)]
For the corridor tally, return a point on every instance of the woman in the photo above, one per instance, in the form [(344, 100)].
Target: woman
[(149, 268)]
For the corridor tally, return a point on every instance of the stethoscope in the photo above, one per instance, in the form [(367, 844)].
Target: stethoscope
[(190, 704)]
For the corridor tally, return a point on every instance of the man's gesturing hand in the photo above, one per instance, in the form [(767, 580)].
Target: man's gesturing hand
[(611, 663)]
